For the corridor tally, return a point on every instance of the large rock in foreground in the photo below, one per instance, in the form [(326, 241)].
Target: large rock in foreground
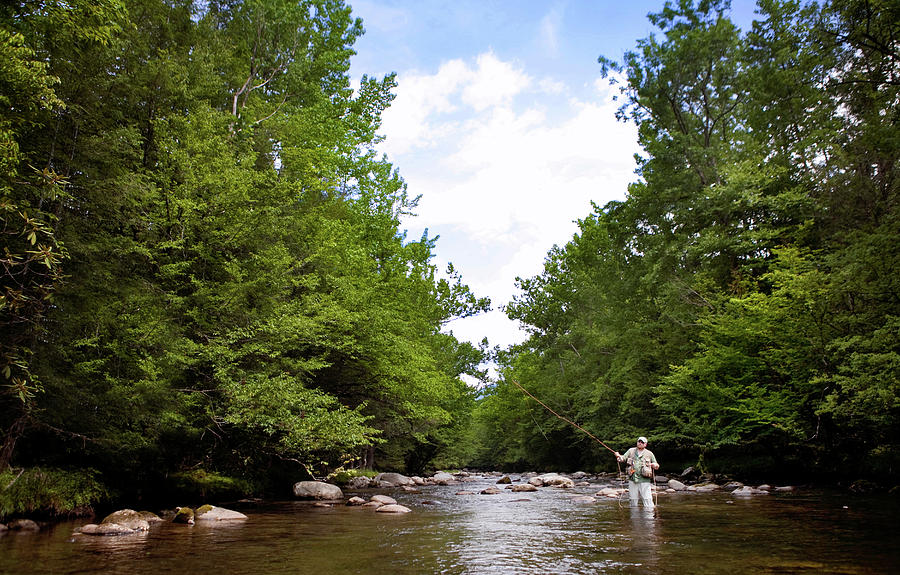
[(317, 490)]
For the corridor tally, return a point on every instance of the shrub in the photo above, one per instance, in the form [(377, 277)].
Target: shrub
[(50, 492), (200, 484)]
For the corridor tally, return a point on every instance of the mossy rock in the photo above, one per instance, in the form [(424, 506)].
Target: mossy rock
[(184, 515)]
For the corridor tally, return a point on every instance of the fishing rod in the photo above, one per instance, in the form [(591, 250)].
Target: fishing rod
[(567, 420), (570, 422)]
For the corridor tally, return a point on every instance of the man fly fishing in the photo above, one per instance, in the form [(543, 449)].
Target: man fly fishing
[(640, 467), (641, 463)]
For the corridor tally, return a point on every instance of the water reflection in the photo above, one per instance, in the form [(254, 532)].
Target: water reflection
[(646, 540)]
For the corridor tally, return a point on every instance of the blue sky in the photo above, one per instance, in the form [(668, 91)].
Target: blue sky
[(504, 127)]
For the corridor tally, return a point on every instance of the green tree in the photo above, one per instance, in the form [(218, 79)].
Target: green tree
[(239, 297), (30, 196)]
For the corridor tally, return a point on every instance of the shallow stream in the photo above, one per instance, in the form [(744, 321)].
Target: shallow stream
[(544, 532)]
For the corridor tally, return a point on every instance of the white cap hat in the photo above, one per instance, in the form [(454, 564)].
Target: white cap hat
[(642, 439)]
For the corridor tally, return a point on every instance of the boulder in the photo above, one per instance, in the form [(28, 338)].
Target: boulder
[(676, 485), (703, 487), (393, 479), (610, 492), (465, 493), (583, 499), (393, 509), (317, 490), (786, 488), (689, 473), (732, 485), (355, 501), (555, 480), (505, 480), (383, 499), (150, 517), (443, 478), (23, 525), (107, 529), (375, 504), (184, 515), (359, 482), (213, 513), (127, 518), (765, 487), (747, 490), (491, 491), (523, 487)]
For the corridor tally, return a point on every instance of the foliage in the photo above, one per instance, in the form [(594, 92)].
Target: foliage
[(238, 295), (743, 295), (203, 485), (341, 476), (49, 492)]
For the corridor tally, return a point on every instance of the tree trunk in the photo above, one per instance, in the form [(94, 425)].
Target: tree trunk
[(12, 435), (369, 458)]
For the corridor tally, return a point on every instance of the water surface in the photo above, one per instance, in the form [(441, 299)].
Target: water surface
[(545, 532)]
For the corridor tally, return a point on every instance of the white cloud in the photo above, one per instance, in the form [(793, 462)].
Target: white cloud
[(504, 166), (549, 30), (493, 83), (551, 86)]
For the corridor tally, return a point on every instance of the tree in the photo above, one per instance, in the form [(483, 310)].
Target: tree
[(239, 297), (30, 197)]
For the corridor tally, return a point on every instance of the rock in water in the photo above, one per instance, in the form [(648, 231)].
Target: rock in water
[(393, 509), (127, 518), (317, 490), (213, 513), (393, 479), (184, 515)]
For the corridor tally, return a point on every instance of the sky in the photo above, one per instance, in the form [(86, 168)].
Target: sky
[(504, 127)]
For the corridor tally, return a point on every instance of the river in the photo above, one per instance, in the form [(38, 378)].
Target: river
[(545, 532)]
